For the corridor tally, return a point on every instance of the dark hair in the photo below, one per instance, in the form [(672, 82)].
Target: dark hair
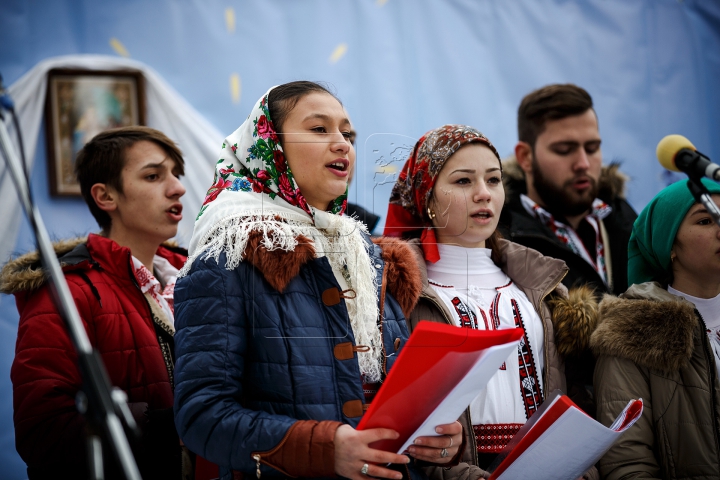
[(102, 159), (283, 98), (493, 243), (552, 102)]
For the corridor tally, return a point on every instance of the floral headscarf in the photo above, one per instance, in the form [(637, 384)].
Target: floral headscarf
[(409, 199), (253, 161), (254, 192)]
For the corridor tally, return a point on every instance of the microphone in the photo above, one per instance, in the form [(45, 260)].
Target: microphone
[(677, 153)]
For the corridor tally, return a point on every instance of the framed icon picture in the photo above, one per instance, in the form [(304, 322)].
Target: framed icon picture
[(79, 105)]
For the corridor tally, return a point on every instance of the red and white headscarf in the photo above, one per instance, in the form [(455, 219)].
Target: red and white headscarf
[(407, 211)]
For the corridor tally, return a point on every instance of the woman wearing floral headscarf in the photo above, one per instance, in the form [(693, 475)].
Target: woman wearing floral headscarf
[(660, 341), (288, 317), (448, 198)]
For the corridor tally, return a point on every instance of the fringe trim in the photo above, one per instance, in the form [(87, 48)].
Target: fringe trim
[(341, 242)]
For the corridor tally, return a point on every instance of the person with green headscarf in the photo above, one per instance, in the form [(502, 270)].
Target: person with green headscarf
[(660, 341)]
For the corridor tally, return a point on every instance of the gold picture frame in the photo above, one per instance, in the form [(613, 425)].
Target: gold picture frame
[(79, 105)]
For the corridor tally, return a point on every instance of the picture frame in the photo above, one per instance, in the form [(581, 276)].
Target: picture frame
[(80, 104)]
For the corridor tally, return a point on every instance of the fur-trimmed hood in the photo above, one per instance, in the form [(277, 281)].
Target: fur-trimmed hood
[(611, 184), (574, 319), (648, 326), (279, 267), (25, 273)]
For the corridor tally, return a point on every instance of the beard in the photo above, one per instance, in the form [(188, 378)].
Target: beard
[(563, 200)]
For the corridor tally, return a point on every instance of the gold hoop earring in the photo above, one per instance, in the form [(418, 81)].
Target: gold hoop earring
[(430, 213)]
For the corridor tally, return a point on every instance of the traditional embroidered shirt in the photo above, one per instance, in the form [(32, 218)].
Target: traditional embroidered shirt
[(709, 309), (163, 295), (481, 296), (567, 235)]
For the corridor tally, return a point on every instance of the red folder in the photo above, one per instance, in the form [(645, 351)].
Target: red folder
[(560, 441), (431, 372)]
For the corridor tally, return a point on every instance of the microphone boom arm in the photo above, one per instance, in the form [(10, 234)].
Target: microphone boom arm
[(702, 195)]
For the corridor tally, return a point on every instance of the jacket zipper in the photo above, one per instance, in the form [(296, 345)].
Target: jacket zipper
[(257, 456), (711, 374)]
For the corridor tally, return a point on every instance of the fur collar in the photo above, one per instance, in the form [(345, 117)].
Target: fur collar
[(648, 326), (278, 267), (574, 318), (611, 185), (25, 273)]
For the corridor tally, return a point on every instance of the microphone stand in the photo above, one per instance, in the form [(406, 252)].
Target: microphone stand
[(702, 195), (102, 405)]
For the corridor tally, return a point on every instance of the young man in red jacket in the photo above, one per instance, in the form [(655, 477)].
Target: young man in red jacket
[(122, 282)]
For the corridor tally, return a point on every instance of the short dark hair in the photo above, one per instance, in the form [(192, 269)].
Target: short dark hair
[(552, 102), (102, 159), (283, 98)]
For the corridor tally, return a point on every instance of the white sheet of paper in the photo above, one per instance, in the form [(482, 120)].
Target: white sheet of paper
[(566, 450), (464, 392)]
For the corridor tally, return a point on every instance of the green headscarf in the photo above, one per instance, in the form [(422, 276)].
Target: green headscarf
[(654, 231)]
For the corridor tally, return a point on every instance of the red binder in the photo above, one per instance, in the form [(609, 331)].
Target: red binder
[(560, 441), (440, 366)]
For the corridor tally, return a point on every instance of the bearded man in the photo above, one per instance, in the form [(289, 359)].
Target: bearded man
[(562, 202)]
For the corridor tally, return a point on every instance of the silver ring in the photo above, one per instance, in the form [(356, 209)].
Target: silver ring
[(364, 469), (444, 453), (451, 440)]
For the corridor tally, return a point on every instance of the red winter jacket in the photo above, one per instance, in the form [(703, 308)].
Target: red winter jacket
[(119, 322)]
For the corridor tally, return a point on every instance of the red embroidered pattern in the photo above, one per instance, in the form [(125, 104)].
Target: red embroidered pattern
[(466, 315), (493, 438), (529, 382)]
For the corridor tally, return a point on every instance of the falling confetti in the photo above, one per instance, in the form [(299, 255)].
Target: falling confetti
[(235, 87), (230, 19), (386, 169), (338, 53), (119, 47)]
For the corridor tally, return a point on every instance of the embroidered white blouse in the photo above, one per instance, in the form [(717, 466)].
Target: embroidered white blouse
[(481, 296)]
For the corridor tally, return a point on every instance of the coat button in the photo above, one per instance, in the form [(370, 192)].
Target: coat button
[(377, 265), (331, 297)]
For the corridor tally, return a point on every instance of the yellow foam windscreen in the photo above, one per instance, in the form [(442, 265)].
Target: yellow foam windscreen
[(669, 147)]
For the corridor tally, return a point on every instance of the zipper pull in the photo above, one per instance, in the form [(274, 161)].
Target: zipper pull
[(257, 462)]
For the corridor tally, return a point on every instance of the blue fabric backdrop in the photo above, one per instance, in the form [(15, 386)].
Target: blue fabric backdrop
[(401, 67)]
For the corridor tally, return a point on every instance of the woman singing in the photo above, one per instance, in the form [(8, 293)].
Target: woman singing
[(289, 317)]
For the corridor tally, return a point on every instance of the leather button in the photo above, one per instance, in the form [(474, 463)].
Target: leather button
[(344, 351), (353, 408), (397, 344), (331, 297)]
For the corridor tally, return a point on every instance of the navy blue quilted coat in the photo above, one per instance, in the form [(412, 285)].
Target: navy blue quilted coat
[(251, 360)]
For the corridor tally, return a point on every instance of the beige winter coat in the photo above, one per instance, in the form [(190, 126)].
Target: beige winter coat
[(652, 345), (573, 317)]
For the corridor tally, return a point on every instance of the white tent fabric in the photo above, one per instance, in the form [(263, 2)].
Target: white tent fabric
[(166, 111)]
